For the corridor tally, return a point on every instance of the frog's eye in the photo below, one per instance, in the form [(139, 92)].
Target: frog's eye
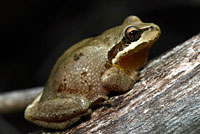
[(132, 33)]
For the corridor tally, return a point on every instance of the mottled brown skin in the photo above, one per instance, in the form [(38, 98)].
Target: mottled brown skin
[(85, 74)]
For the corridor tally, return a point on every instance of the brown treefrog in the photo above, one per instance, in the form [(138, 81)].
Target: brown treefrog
[(88, 71)]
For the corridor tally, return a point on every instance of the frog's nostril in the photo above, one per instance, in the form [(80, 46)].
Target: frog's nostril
[(154, 28), (151, 27)]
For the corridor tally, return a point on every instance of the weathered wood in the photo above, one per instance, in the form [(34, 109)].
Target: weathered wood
[(165, 100), (17, 100)]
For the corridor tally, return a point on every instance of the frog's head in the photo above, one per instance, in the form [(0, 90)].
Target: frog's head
[(132, 47)]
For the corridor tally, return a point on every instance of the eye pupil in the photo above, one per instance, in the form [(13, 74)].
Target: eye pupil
[(132, 33)]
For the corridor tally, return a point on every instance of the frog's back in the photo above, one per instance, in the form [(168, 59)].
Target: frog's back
[(78, 71)]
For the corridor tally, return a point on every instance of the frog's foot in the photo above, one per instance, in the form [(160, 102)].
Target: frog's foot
[(58, 113), (101, 100), (115, 80)]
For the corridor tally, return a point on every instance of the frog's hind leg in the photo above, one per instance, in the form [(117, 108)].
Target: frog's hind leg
[(58, 113), (57, 125)]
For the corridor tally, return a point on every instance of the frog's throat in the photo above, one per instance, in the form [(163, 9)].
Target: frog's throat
[(134, 56)]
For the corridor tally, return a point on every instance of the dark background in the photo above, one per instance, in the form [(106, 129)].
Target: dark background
[(35, 33)]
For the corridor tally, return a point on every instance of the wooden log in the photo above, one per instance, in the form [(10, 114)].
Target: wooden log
[(17, 100), (165, 100)]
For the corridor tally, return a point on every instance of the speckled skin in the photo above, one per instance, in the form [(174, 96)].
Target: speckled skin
[(84, 76), (79, 73)]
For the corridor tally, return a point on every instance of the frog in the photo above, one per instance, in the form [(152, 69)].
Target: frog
[(90, 70)]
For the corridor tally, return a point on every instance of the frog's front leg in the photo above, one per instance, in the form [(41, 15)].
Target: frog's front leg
[(58, 113), (115, 80)]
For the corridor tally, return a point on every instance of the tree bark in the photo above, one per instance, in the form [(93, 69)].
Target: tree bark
[(17, 100)]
